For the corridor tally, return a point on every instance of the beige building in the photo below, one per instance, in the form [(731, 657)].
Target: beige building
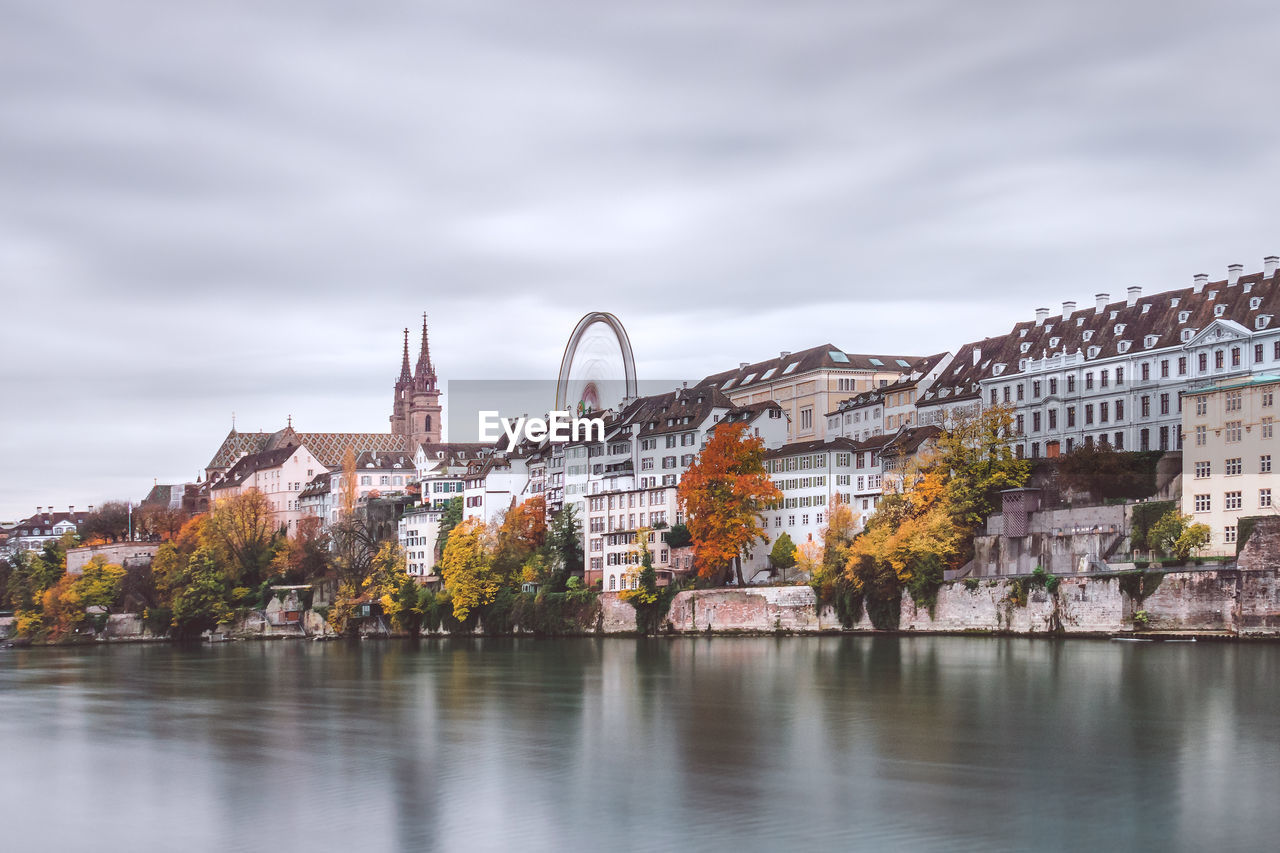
[(809, 384), (280, 475), (1228, 440)]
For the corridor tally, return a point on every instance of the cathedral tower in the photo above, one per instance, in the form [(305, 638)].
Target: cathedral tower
[(416, 412)]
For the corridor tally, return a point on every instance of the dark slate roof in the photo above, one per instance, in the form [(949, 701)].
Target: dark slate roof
[(45, 520), (319, 485), (256, 462), (909, 440), (384, 461), (1153, 322), (839, 443), (676, 411), (814, 358)]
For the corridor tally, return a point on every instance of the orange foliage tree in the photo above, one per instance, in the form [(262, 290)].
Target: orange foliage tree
[(521, 535), (723, 495)]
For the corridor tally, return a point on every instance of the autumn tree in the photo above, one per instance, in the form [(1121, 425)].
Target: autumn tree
[(386, 584), (521, 535), (241, 528), (109, 522), (67, 602), (1176, 535), (159, 521), (305, 556), (723, 495), (977, 463), (467, 569)]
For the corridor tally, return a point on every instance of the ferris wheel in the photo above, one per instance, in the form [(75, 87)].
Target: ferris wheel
[(598, 369)]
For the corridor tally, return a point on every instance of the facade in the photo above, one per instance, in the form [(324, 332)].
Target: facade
[(280, 475), (418, 531), (808, 384), (1229, 446), (1115, 373), (612, 524), (889, 407)]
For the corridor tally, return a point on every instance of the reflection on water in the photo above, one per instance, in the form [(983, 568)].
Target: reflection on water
[(878, 743)]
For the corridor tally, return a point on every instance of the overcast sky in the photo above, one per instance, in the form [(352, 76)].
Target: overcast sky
[(237, 206)]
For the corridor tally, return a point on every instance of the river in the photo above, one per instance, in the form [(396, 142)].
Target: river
[(832, 743)]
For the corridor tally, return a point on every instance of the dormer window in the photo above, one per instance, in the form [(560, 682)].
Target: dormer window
[(1024, 347), (1262, 321), (1053, 343), (1092, 352), (1183, 316), (1119, 330), (1213, 294), (1255, 303), (1022, 364), (1079, 321), (1219, 310), (1150, 340), (997, 370), (1146, 308), (1022, 333), (1113, 314), (1188, 334), (1088, 335), (1123, 346)]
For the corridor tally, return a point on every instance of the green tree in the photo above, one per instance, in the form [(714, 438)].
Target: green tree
[(450, 519), (783, 553), (202, 591), (1176, 535), (563, 547)]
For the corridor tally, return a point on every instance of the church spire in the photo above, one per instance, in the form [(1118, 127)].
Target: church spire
[(424, 368), (405, 375)]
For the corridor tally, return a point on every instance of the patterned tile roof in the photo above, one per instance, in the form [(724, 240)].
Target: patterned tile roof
[(327, 447)]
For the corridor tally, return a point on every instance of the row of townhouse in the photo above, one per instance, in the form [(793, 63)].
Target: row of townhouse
[(1116, 373)]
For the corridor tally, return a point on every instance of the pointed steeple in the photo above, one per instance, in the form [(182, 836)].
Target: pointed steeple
[(405, 375), (424, 368)]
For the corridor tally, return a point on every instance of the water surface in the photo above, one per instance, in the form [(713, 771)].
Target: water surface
[(841, 743)]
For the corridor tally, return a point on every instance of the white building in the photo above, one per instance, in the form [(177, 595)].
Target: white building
[(1229, 453), (418, 532)]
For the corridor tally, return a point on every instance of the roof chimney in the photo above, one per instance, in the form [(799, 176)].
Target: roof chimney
[(72, 509), (784, 353), (1135, 293), (1202, 278), (1068, 308), (90, 507), (39, 510), (1042, 314), (1100, 302), (977, 355), (1233, 274), (1270, 263), (742, 365)]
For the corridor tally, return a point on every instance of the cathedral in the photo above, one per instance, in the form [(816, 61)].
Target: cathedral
[(415, 421), (415, 413)]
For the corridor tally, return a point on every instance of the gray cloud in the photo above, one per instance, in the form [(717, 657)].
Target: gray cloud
[(229, 206)]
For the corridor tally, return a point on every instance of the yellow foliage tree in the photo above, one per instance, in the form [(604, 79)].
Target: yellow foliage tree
[(467, 568)]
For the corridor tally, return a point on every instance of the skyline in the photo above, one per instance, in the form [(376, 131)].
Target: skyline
[(235, 209)]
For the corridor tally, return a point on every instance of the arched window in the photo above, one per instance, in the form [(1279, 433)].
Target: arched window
[(426, 423)]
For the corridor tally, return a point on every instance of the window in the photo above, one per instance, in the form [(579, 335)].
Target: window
[(1233, 399), (1071, 416), (1145, 404), (1053, 385), (1203, 470), (1202, 405), (1164, 404), (1275, 350), (1119, 375), (1104, 378), (1202, 503), (1020, 422), (1257, 352), (1202, 361), (1182, 365), (1268, 426), (1232, 466), (1053, 419), (1146, 371), (806, 418), (671, 441), (1020, 392), (1233, 432), (1229, 534), (995, 397), (1104, 412), (1071, 384), (1035, 421), (1088, 381), (668, 462), (1264, 463), (1119, 410), (1231, 500), (1035, 389), (1202, 437), (1235, 356), (1088, 413), (1264, 498)]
